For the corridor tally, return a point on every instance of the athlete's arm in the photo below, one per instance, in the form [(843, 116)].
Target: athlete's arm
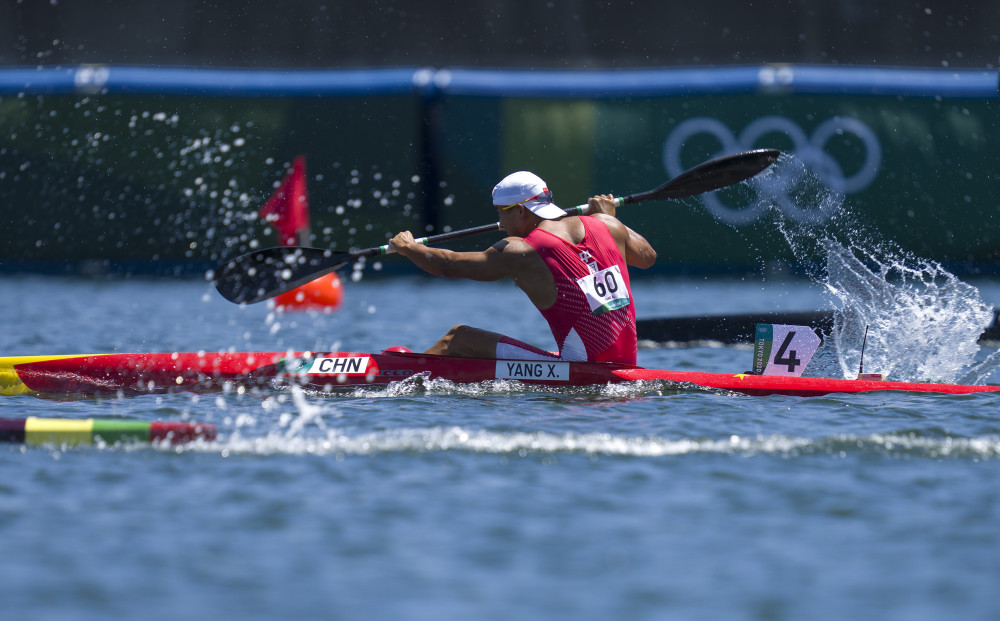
[(635, 249), (638, 251), (505, 259)]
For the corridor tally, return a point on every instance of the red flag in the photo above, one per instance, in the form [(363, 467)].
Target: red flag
[(288, 208)]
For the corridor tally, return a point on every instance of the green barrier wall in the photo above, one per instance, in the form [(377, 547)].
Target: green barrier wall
[(919, 171), (164, 170), (149, 183)]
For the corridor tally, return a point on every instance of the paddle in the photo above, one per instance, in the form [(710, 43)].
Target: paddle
[(263, 274)]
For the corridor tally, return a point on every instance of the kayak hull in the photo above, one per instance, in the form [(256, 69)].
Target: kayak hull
[(763, 385), (138, 373)]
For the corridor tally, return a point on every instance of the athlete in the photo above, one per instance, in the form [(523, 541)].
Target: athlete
[(574, 269)]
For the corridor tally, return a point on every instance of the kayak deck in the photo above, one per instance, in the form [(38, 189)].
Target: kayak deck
[(138, 373)]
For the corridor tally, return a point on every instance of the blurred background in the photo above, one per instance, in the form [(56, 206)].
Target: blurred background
[(555, 35), (141, 138)]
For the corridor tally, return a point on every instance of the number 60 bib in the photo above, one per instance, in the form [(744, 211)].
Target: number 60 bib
[(605, 290)]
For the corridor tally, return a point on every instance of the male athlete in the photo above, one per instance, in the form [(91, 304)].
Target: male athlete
[(573, 269)]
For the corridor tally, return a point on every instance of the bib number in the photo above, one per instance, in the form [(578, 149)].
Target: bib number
[(605, 290)]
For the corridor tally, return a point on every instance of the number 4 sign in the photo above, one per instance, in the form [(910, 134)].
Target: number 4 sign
[(783, 350)]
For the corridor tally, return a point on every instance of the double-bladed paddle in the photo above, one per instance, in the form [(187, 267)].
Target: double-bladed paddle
[(263, 274)]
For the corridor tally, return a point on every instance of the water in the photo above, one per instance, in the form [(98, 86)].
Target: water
[(488, 502)]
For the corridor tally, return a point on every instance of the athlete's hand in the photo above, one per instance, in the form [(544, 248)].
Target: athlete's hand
[(402, 241), (602, 203)]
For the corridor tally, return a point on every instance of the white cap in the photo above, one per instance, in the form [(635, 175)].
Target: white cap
[(527, 189)]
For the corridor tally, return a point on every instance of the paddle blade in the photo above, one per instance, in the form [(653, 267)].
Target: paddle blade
[(263, 274), (715, 174)]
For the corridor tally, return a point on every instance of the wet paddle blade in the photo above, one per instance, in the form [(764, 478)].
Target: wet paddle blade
[(264, 274), (714, 174)]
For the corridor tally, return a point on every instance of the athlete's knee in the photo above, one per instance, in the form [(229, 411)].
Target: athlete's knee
[(444, 344), (457, 333), (463, 340)]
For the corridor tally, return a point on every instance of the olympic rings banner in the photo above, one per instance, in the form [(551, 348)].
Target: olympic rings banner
[(810, 150), (915, 169)]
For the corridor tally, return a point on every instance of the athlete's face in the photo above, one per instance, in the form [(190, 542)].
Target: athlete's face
[(512, 219)]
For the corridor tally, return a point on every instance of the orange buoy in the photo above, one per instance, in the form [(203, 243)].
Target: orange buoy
[(288, 211), (324, 293)]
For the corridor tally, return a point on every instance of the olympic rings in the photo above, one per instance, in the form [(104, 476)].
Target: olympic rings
[(779, 186)]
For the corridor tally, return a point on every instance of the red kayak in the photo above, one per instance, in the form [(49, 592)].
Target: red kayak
[(129, 374)]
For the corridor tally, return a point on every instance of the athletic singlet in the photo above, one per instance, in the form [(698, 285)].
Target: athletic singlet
[(593, 318)]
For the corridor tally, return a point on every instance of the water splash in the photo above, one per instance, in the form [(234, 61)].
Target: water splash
[(922, 321), (422, 384)]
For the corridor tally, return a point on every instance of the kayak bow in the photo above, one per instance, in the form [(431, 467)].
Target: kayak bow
[(139, 373)]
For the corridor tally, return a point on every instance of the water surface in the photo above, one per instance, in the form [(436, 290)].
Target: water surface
[(490, 502)]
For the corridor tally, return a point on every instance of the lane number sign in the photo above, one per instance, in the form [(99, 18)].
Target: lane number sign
[(783, 350)]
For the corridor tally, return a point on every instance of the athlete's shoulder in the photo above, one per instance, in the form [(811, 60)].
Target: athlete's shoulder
[(613, 224), (603, 217), (512, 245)]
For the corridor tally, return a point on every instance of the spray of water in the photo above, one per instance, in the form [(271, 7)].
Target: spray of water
[(922, 321)]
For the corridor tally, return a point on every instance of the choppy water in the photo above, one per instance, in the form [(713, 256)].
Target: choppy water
[(488, 502)]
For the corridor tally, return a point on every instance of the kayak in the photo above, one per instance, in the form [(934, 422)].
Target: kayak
[(139, 373), (36, 431)]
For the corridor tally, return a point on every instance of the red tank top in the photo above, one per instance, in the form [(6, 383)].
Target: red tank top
[(593, 318)]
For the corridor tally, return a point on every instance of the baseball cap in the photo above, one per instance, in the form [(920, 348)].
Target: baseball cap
[(528, 189)]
